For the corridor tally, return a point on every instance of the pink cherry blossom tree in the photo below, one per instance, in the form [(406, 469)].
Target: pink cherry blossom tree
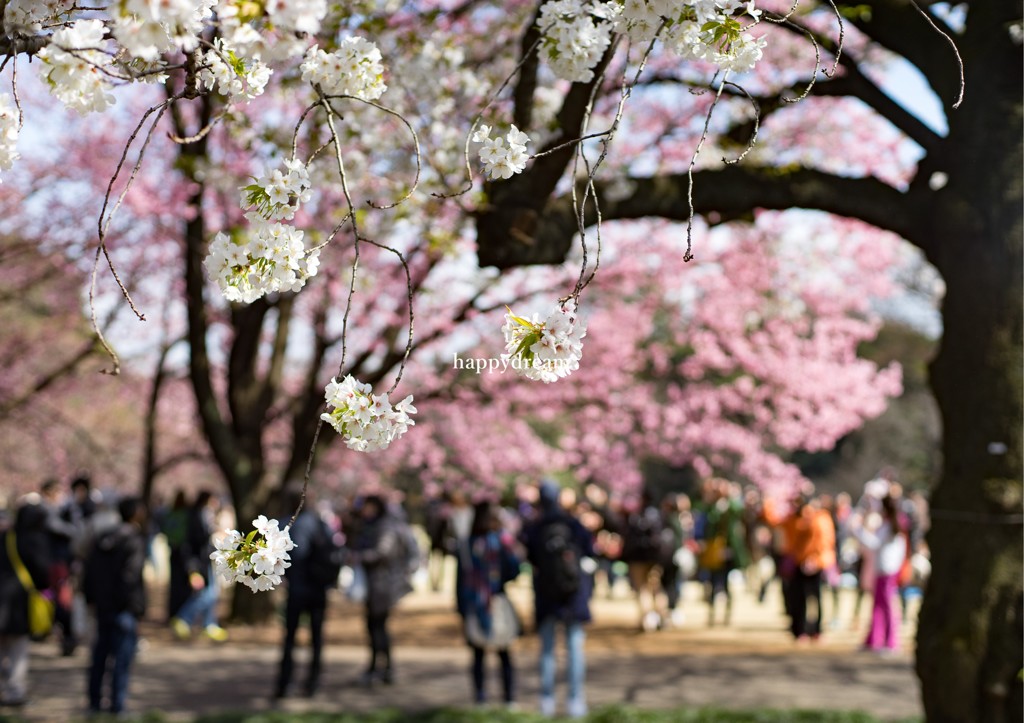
[(597, 92)]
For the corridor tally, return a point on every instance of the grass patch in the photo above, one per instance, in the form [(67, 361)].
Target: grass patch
[(613, 714)]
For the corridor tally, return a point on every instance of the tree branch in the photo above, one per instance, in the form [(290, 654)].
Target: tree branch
[(522, 94), (899, 26), (515, 204), (735, 192)]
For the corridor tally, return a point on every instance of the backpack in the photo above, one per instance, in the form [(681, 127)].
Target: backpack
[(325, 558), (644, 542), (559, 576), (410, 548)]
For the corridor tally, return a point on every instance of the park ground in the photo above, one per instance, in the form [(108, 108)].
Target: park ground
[(752, 664)]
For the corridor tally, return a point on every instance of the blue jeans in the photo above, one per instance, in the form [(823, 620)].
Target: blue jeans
[(574, 638), (202, 604), (116, 637)]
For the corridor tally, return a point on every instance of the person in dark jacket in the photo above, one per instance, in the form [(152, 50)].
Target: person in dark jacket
[(174, 525), (201, 606), (550, 610), (115, 590), (380, 549), (32, 546), (312, 571), (488, 562)]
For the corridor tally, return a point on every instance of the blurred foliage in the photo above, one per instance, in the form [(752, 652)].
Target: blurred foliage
[(907, 436)]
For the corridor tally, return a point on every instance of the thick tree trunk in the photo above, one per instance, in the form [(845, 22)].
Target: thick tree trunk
[(247, 607), (969, 638), (969, 652)]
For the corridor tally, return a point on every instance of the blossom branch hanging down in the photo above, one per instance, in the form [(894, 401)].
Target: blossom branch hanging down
[(232, 51)]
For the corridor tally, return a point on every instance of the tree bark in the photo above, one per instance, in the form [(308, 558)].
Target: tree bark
[(969, 644), (236, 444)]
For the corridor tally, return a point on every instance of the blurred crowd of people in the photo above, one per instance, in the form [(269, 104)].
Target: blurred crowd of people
[(730, 537), (82, 555), (88, 554)]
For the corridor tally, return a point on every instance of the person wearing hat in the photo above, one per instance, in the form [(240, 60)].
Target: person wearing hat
[(560, 551)]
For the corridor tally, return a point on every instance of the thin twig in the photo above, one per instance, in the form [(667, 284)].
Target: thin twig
[(479, 116), (688, 256), (757, 122), (952, 44), (415, 140)]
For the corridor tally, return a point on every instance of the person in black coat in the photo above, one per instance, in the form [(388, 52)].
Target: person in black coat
[(315, 563), (552, 605), (115, 590), (32, 546)]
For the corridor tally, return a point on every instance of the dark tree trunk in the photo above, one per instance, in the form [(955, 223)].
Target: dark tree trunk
[(969, 653)]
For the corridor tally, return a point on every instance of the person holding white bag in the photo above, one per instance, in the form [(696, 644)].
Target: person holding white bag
[(486, 564)]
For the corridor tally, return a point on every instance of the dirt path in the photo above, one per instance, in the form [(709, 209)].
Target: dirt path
[(752, 663)]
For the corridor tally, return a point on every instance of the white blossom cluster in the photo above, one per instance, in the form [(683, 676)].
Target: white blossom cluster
[(257, 560), (77, 63), (28, 16), (547, 350), (576, 34), (8, 132), (225, 70), (366, 421), (148, 28), (273, 257), (303, 16), (355, 69), (501, 160), (279, 193), (707, 30)]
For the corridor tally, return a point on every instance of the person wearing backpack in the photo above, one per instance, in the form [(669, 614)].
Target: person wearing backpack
[(115, 590), (558, 547), (644, 551)]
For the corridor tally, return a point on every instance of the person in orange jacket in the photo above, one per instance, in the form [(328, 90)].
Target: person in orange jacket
[(808, 548)]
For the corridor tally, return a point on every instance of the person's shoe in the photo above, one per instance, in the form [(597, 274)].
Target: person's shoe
[(216, 633), (650, 622), (547, 705), (387, 677), (576, 708), (678, 617), (367, 678), (182, 630)]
